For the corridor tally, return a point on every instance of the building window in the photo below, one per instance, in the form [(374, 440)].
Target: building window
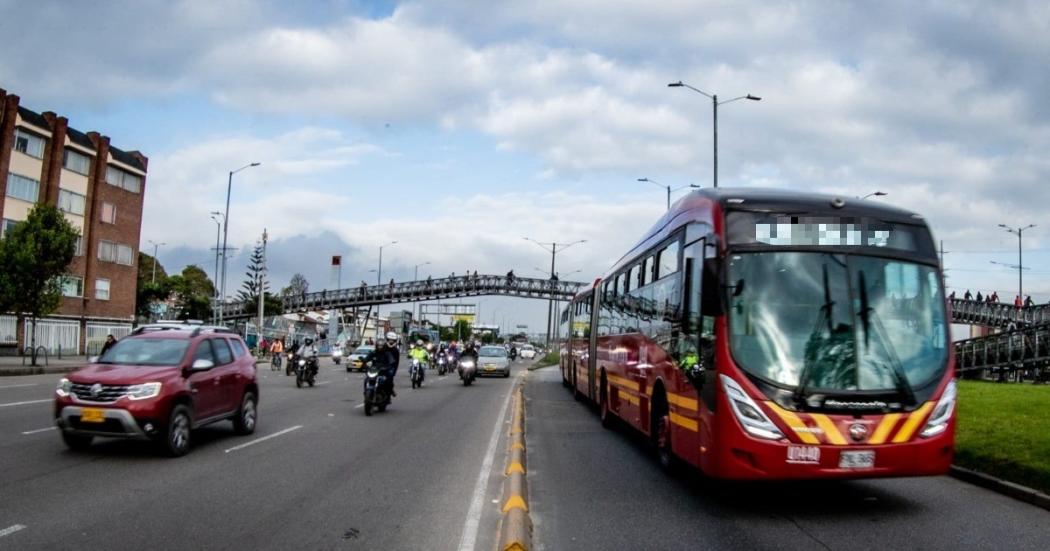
[(72, 287), (107, 251), (70, 202), (109, 213), (30, 144), (124, 255), (79, 251), (7, 226), (122, 179), (20, 187), (76, 161), (102, 289)]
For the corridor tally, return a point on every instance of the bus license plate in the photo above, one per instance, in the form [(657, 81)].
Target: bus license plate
[(857, 459), (91, 415)]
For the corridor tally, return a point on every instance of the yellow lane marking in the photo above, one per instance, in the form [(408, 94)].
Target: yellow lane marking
[(682, 401), (916, 417), (515, 502), (517, 446), (830, 430), (885, 427), (795, 423), (620, 381), (515, 467), (684, 422)]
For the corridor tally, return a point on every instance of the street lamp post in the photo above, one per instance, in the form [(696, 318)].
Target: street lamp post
[(379, 272), (1020, 264), (714, 105), (669, 189), (153, 279), (215, 215), (226, 230), (555, 248)]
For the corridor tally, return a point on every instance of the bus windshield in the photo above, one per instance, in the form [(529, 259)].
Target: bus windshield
[(837, 322)]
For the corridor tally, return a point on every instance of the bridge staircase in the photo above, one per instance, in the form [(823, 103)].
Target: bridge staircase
[(1021, 350)]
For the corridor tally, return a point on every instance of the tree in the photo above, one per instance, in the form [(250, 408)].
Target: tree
[(149, 291), (250, 288), (297, 287), (34, 255), (193, 293), (458, 331)]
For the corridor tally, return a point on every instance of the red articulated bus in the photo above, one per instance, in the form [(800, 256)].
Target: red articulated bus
[(762, 334)]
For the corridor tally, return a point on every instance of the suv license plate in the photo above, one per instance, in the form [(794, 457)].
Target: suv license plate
[(857, 459), (91, 415)]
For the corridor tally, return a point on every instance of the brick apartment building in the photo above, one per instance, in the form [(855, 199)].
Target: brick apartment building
[(100, 190)]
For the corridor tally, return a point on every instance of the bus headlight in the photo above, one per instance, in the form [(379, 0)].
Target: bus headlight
[(942, 413), (748, 413)]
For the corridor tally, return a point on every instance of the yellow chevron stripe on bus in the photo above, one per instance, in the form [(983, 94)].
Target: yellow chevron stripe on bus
[(885, 428), (909, 426), (830, 430), (630, 398), (685, 422), (620, 381), (793, 421)]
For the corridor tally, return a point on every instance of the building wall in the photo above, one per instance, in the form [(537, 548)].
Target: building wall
[(88, 310)]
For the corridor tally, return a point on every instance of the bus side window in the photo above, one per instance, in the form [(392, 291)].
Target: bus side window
[(692, 348)]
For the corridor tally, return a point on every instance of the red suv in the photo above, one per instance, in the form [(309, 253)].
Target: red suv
[(158, 384)]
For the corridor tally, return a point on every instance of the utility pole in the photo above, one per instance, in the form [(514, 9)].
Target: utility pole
[(555, 248), (1020, 264), (262, 280)]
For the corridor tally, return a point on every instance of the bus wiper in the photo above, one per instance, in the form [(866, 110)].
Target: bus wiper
[(825, 315), (868, 317)]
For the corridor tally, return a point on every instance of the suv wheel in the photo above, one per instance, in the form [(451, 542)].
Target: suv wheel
[(244, 422), (177, 436), (77, 442)]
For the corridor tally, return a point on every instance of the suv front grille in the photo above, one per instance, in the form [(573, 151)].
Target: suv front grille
[(109, 393)]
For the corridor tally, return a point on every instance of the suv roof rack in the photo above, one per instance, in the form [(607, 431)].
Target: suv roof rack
[(197, 328)]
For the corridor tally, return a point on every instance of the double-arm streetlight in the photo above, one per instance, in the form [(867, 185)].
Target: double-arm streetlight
[(875, 194), (156, 245), (714, 105), (555, 248), (218, 218), (379, 272), (1020, 264), (226, 230), (669, 188)]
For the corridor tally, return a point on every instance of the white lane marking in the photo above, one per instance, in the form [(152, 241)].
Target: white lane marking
[(264, 438), (19, 386), (322, 383), (359, 406), (11, 530), (40, 430), (9, 404), (473, 523)]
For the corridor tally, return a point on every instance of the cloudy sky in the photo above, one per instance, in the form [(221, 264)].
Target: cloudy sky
[(459, 127)]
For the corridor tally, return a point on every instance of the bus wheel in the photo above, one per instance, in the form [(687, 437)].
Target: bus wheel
[(603, 405), (660, 434)]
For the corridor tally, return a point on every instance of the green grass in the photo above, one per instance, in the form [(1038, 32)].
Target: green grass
[(1004, 431), (551, 358)]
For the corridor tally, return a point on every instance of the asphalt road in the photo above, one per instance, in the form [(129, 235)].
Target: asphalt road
[(592, 488), (326, 478)]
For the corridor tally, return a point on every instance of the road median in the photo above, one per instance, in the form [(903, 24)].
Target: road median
[(515, 526)]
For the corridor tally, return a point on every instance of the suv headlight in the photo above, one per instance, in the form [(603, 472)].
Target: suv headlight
[(942, 413), (748, 413), (143, 391), (64, 387)]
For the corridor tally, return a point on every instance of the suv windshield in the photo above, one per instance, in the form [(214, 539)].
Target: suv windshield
[(837, 322), (145, 351)]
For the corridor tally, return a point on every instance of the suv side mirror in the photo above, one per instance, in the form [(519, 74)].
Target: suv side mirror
[(92, 359), (202, 365)]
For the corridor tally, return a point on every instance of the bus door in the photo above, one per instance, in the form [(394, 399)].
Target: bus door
[(592, 305)]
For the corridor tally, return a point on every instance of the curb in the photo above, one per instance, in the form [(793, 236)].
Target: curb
[(998, 485), (515, 527), (535, 367), (38, 370)]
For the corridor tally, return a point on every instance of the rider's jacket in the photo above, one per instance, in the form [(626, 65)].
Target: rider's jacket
[(383, 358), (420, 354), (308, 351)]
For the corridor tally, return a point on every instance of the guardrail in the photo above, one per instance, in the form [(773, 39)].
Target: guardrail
[(415, 291), (997, 314)]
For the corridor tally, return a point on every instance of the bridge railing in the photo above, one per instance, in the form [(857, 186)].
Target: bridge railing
[(1024, 348), (997, 314), (411, 291)]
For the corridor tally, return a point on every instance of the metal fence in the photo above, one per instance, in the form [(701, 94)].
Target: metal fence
[(1024, 351), (55, 335), (996, 314), (8, 329), (96, 334)]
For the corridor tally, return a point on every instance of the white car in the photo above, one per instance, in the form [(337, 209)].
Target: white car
[(528, 352)]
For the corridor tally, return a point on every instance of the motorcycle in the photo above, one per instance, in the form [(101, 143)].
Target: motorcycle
[(376, 396), (289, 367), (417, 372), (468, 370), (337, 355), (513, 354), (442, 362), (305, 371)]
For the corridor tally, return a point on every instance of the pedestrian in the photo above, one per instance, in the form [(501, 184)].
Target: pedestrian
[(968, 295), (110, 341), (264, 347), (950, 297), (979, 297), (1017, 301), (994, 297), (1028, 302)]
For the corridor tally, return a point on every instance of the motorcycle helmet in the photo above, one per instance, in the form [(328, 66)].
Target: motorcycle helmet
[(391, 338), (419, 342)]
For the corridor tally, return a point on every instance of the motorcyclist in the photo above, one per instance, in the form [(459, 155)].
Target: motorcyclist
[(470, 351), (419, 352), (308, 352), (386, 357)]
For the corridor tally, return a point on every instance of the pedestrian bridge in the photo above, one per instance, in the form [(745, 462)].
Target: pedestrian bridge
[(997, 314), (416, 291)]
